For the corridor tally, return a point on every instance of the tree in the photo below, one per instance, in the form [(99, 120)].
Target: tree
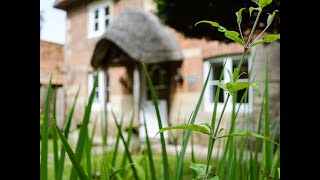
[(182, 15)]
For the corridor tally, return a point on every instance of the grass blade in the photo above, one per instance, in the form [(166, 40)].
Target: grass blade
[(213, 119), (124, 158), (45, 136), (126, 148), (114, 173), (188, 133), (268, 152), (66, 134), (193, 159), (84, 127), (115, 151), (88, 157), (149, 149), (163, 144), (55, 140), (75, 161)]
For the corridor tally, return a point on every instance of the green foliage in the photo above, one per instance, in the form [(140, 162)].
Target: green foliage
[(203, 128)]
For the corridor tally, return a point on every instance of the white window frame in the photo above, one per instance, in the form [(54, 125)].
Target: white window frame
[(97, 104), (208, 105), (100, 6)]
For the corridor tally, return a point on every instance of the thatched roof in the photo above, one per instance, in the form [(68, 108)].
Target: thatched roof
[(138, 35)]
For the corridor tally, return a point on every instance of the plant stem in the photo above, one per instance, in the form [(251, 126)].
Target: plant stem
[(240, 32), (253, 28), (242, 58), (215, 134), (258, 36)]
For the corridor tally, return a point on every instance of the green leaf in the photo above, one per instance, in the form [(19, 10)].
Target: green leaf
[(126, 148), (256, 87), (200, 169), (214, 24), (75, 161), (66, 134), (214, 178), (252, 9), (193, 127), (239, 15), (235, 75), (268, 38), (149, 149), (264, 3), (188, 134), (240, 132), (45, 136), (271, 17), (233, 35), (238, 86), (230, 75), (222, 86), (118, 170), (163, 143), (83, 133), (222, 29)]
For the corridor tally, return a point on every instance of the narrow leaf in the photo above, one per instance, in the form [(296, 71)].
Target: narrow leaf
[(191, 127), (271, 17), (238, 86), (240, 132), (233, 35), (118, 170), (149, 149), (163, 144), (84, 127), (264, 3), (256, 87), (214, 24), (126, 148), (45, 136), (75, 161), (187, 136), (222, 86), (268, 39), (239, 15), (66, 134), (55, 140)]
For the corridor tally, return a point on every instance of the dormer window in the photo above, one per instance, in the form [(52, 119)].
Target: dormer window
[(99, 18)]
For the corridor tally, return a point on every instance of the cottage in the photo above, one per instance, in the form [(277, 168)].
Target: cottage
[(118, 35)]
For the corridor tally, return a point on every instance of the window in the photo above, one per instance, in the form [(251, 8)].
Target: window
[(99, 18), (217, 68), (101, 92)]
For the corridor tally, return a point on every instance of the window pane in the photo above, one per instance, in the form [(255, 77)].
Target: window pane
[(96, 95), (244, 68), (239, 96), (213, 90), (106, 11), (96, 26), (106, 22), (96, 14), (216, 70)]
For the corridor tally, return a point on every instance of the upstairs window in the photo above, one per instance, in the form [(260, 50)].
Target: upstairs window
[(217, 68), (99, 18)]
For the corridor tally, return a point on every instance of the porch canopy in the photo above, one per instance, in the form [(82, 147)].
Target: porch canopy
[(139, 36)]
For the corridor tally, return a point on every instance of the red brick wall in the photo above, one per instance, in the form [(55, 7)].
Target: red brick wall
[(51, 62)]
